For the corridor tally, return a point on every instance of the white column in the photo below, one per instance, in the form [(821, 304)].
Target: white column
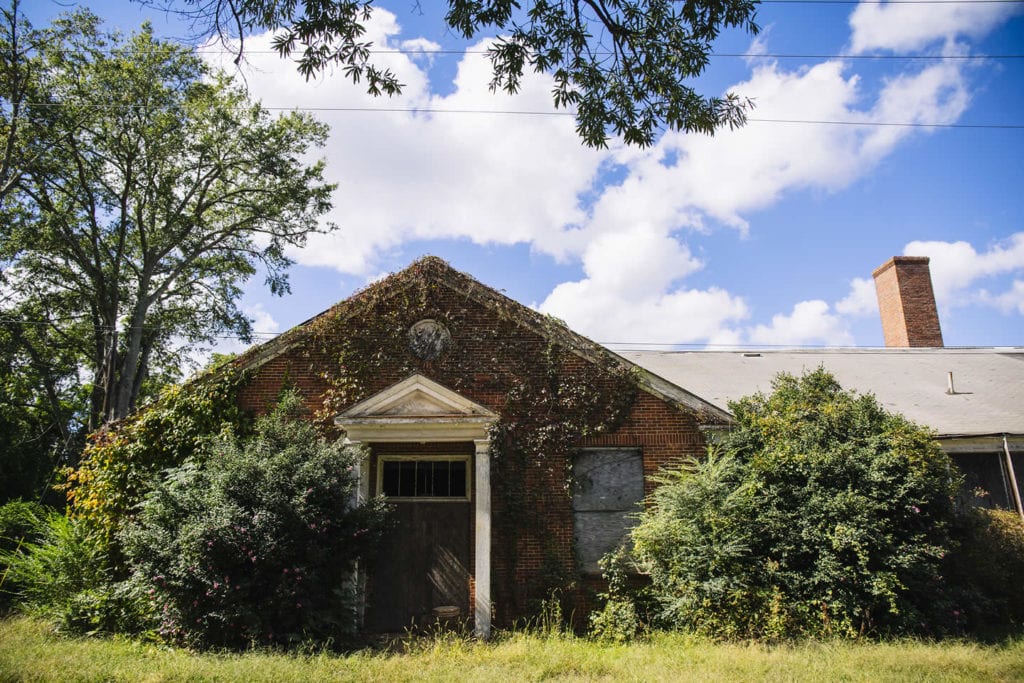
[(357, 582), (482, 608), (362, 471)]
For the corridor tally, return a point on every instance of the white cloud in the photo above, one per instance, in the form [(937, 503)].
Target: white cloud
[(736, 172), (862, 299), (630, 295), (811, 322), (1010, 300), (906, 27), (687, 181), (403, 175), (957, 268), (503, 179)]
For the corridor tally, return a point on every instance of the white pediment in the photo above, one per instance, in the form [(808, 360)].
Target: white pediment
[(420, 397), (416, 409)]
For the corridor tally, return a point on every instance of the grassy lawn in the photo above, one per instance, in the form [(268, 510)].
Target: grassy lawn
[(29, 651)]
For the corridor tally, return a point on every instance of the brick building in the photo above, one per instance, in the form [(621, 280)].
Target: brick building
[(514, 450)]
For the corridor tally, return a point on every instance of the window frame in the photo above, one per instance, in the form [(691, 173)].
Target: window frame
[(465, 458)]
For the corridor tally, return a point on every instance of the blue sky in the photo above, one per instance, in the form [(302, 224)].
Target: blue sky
[(765, 236)]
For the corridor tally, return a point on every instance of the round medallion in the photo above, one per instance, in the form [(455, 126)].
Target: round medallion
[(428, 339)]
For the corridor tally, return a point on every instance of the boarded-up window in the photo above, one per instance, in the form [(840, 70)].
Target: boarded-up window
[(607, 485)]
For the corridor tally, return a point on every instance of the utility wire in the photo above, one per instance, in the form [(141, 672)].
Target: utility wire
[(623, 345), (891, 2), (738, 55), (521, 112)]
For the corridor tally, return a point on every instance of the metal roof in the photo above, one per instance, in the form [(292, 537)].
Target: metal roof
[(988, 382)]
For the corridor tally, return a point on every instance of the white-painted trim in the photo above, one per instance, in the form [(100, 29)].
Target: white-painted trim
[(421, 430), (482, 569), (443, 402), (452, 417)]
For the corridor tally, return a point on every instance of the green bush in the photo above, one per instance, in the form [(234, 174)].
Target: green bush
[(61, 574), (21, 522), (124, 460), (987, 567), (821, 515), (616, 622), (620, 620), (255, 543)]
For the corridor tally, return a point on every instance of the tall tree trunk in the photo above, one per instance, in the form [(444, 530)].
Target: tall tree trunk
[(130, 366)]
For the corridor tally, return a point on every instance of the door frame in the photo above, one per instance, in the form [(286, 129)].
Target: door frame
[(419, 410)]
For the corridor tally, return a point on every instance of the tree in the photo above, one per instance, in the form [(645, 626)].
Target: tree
[(623, 65), (40, 399), (253, 542), (821, 514), (16, 49), (149, 189)]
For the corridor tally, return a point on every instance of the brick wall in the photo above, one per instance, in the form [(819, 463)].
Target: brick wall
[(482, 365), (906, 302)]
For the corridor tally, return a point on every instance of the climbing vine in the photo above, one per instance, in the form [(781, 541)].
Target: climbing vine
[(550, 387), (121, 462)]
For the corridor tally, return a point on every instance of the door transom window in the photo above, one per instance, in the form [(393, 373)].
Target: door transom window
[(424, 478)]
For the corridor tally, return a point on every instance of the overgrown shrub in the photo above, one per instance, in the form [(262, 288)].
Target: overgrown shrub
[(122, 462), (61, 574), (987, 568), (257, 542), (822, 514), (20, 522), (619, 620)]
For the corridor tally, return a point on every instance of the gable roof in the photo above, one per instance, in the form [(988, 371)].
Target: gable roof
[(988, 384), (439, 273)]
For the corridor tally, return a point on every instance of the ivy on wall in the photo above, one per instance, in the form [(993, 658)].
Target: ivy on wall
[(121, 461), (550, 387), (525, 366)]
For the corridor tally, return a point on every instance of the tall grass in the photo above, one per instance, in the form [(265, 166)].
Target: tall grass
[(30, 651)]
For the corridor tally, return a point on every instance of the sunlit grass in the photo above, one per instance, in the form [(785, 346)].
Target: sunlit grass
[(30, 651)]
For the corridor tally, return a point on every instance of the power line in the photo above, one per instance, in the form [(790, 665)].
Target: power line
[(736, 55), (106, 328), (525, 112), (621, 345), (228, 49), (891, 2), (911, 124)]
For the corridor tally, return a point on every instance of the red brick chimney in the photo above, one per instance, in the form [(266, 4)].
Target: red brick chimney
[(907, 302)]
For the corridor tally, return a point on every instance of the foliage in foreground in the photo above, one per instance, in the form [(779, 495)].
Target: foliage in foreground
[(59, 571), (30, 651), (252, 543), (987, 568), (122, 462), (822, 514), (20, 522), (625, 66)]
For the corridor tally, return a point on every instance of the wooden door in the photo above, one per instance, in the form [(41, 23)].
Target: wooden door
[(423, 564)]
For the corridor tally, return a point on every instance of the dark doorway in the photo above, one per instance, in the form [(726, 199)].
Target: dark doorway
[(423, 563)]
